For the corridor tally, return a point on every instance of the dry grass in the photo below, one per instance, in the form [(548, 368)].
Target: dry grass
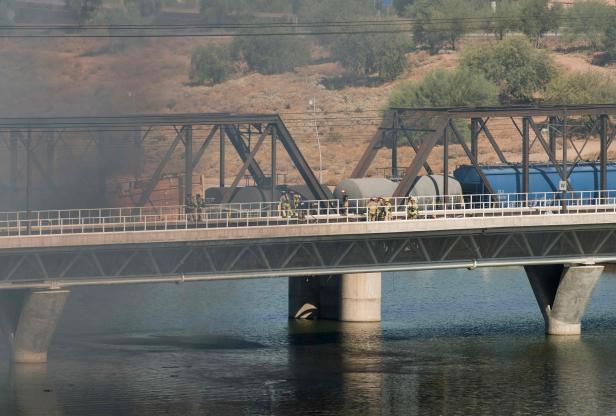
[(62, 77)]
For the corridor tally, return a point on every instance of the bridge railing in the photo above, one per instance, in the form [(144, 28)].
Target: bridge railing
[(307, 212)]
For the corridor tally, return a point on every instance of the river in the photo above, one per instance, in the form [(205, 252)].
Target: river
[(450, 343)]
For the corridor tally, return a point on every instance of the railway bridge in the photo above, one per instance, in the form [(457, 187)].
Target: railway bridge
[(333, 258)]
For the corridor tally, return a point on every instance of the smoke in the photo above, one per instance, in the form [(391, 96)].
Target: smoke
[(68, 167)]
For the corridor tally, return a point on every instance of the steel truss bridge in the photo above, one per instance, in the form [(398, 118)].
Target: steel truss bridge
[(54, 158), (87, 247), (561, 133)]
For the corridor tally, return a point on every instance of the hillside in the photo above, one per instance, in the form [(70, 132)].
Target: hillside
[(71, 76)]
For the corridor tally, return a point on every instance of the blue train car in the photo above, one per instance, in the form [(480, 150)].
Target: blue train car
[(543, 178)]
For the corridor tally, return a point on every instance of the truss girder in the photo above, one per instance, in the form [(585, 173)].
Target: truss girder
[(310, 257)]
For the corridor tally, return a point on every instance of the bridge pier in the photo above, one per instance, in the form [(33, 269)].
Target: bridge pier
[(351, 297), (562, 293), (29, 319)]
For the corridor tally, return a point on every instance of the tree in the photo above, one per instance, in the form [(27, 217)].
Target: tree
[(588, 21), (365, 54), (211, 63), (272, 54), (401, 6), (519, 69), (83, 10), (581, 88), (503, 19), (334, 11), (609, 41), (537, 18), (225, 11), (440, 22), (444, 88), (147, 8)]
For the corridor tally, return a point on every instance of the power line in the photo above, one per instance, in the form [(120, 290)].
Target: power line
[(398, 26)]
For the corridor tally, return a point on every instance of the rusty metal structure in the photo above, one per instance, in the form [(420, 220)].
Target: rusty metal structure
[(31, 150), (555, 129)]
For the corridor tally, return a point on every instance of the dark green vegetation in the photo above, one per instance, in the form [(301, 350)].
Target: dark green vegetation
[(443, 88), (210, 63), (520, 70), (581, 88)]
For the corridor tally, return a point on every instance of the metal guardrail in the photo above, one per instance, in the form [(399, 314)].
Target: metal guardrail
[(105, 220)]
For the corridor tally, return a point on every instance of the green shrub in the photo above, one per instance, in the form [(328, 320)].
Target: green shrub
[(211, 63), (147, 8), (441, 22), (609, 41), (446, 88), (503, 20), (272, 54), (519, 69), (581, 88), (538, 17), (365, 54), (83, 10), (588, 21)]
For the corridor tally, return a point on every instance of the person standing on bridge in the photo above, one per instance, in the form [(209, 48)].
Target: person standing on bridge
[(372, 209), (388, 208), (412, 209), (200, 206), (345, 203), (284, 205), (297, 201), (189, 207)]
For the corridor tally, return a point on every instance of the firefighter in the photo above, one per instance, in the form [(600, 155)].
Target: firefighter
[(200, 206), (285, 205), (387, 208), (297, 200), (345, 203), (189, 207), (381, 210), (372, 208), (412, 209)]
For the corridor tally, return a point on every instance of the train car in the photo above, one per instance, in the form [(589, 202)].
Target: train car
[(543, 180)]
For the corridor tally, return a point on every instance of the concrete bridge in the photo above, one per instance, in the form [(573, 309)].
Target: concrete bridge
[(333, 258)]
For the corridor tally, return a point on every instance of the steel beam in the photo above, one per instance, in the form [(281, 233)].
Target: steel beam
[(188, 159), (407, 182), (159, 170), (231, 190), (471, 156), (525, 154), (317, 189), (603, 137)]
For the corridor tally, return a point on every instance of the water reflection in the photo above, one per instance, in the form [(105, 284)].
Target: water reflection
[(337, 365), (31, 391)]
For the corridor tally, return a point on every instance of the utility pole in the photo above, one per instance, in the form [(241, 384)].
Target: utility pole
[(313, 103)]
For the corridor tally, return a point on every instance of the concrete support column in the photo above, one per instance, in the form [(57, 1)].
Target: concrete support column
[(29, 320), (353, 297), (562, 293)]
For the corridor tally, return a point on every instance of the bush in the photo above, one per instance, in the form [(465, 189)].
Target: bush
[(147, 8), (365, 54), (83, 10), (519, 69), (588, 21), (211, 63), (609, 42), (272, 54), (537, 18), (440, 22), (503, 20), (333, 11), (224, 11), (443, 88), (581, 88)]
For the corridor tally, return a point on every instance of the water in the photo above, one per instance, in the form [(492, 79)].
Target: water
[(451, 342)]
